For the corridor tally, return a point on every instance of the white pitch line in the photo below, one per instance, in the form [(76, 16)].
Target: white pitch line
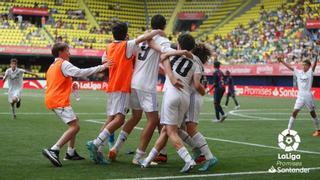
[(235, 113), (208, 175), (230, 141)]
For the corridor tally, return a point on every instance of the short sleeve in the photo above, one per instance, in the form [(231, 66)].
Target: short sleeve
[(132, 48)]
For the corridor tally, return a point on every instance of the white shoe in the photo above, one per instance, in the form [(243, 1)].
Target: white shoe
[(223, 118), (237, 107), (188, 166), (225, 106)]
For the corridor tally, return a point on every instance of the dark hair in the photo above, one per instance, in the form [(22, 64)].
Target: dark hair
[(202, 52), (14, 60), (119, 31), (306, 62), (58, 47), (158, 22), (216, 64), (186, 42)]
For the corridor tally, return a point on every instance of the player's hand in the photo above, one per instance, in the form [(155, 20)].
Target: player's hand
[(176, 83), (108, 64)]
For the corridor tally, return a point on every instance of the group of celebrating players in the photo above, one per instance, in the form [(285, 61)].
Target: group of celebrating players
[(134, 66)]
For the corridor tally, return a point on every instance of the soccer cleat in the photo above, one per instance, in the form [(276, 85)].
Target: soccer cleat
[(223, 118), (316, 133), (53, 156), (208, 163), (75, 157), (188, 166), (101, 159), (14, 116), (93, 151), (18, 103), (200, 159), (143, 163), (225, 106), (237, 107), (161, 158), (112, 154)]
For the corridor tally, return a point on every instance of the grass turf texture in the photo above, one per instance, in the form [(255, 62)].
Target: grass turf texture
[(259, 121)]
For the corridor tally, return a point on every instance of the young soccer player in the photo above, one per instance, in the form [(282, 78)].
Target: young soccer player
[(176, 102), (143, 97), (219, 90), (122, 52), (193, 137), (304, 79), (231, 90), (14, 75), (57, 98)]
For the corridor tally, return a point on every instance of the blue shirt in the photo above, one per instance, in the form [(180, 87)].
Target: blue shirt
[(218, 78)]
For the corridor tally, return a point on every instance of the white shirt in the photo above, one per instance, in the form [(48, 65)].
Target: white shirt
[(15, 78), (69, 69), (146, 70), (304, 81), (131, 49), (183, 68), (198, 69)]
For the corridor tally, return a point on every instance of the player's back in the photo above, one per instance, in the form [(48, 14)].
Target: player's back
[(184, 69), (120, 74), (146, 68)]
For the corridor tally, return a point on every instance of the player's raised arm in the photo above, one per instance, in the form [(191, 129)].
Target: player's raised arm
[(285, 64), (31, 73), (70, 70), (198, 85), (149, 35), (177, 53), (315, 63)]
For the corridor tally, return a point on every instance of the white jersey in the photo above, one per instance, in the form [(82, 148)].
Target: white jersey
[(198, 70), (145, 73), (15, 79), (183, 68), (304, 81)]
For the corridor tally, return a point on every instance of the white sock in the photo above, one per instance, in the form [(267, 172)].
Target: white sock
[(291, 123), (71, 151), (164, 151), (153, 153), (202, 145), (316, 123), (13, 109), (55, 147), (139, 154), (184, 154), (120, 140), (104, 134), (186, 138)]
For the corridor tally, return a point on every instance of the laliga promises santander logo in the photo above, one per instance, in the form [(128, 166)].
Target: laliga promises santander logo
[(289, 140)]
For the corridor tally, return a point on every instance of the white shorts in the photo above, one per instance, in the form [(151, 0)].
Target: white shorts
[(175, 104), (305, 101), (117, 103), (141, 100), (194, 108), (66, 114), (14, 94)]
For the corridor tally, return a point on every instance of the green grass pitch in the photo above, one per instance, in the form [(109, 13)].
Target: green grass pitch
[(245, 142)]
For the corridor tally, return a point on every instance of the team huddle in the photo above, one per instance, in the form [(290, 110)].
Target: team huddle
[(133, 67)]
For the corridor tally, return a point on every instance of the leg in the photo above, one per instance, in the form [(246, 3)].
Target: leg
[(235, 100), (127, 129), (227, 100), (172, 131), (73, 129), (315, 123), (146, 135), (292, 118)]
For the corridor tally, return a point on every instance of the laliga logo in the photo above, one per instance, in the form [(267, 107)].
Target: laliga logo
[(289, 140)]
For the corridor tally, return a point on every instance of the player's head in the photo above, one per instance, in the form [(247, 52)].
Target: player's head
[(120, 31), (158, 22), (228, 73), (186, 42), (202, 52), (216, 64), (306, 65), (61, 50), (13, 63)]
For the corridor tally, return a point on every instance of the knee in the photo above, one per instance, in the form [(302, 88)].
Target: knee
[(75, 127)]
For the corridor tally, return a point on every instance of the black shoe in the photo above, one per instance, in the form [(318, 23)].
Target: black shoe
[(18, 103), (53, 156), (75, 157)]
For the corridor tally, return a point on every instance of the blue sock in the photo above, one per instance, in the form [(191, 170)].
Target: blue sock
[(111, 138)]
